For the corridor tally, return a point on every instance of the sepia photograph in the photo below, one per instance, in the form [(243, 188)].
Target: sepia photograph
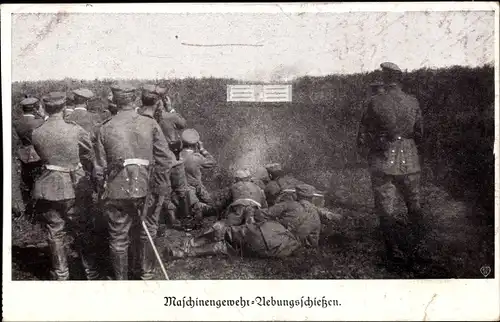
[(285, 144)]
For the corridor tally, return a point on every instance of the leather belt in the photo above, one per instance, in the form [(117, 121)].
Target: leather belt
[(248, 199), (62, 169), (135, 162)]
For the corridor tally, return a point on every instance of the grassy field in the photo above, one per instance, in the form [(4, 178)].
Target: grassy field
[(314, 138)]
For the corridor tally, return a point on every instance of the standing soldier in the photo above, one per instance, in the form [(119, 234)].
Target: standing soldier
[(88, 121), (172, 123), (63, 147), (376, 88), (151, 107), (81, 115), (390, 136), (195, 159), (132, 157), (70, 105), (31, 164)]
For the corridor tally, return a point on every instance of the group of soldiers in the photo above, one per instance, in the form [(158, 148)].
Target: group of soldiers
[(130, 176)]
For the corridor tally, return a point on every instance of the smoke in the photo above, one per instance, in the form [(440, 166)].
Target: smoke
[(252, 145)]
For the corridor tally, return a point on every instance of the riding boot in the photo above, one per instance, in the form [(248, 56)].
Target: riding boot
[(218, 248), (147, 260), (120, 265), (59, 259)]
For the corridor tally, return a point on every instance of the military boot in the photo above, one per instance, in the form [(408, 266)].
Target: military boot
[(120, 265), (59, 259), (218, 248), (146, 260)]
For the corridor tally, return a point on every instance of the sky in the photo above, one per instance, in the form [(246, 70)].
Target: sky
[(278, 46)]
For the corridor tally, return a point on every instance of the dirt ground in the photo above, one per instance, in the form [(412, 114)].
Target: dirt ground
[(459, 243)]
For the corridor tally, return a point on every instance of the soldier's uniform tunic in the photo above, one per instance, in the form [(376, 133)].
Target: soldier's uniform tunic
[(127, 145), (63, 147), (194, 161), (390, 135), (244, 199), (30, 161), (281, 189)]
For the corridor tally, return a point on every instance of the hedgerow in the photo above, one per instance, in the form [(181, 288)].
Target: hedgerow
[(317, 131)]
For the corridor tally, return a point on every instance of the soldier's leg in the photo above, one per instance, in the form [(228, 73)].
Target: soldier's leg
[(384, 193), (119, 223), (213, 234), (207, 203), (235, 216), (82, 227), (54, 225), (147, 256), (410, 189)]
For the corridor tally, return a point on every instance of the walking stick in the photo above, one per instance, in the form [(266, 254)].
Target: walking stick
[(151, 242)]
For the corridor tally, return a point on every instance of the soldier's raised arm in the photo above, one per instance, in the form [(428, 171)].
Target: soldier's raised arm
[(326, 214), (206, 161), (179, 121)]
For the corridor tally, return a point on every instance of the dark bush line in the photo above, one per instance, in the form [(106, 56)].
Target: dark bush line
[(318, 130)]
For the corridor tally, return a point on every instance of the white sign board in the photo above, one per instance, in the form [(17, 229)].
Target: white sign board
[(259, 93)]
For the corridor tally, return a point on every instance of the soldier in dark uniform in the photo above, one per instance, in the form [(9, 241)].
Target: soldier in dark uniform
[(376, 88), (302, 217), (151, 99), (243, 200), (17, 197), (281, 187), (261, 177), (70, 105), (195, 159), (133, 160), (63, 147), (390, 136), (81, 115), (31, 165)]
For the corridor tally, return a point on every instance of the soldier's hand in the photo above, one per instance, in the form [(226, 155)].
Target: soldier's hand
[(200, 145), (333, 217)]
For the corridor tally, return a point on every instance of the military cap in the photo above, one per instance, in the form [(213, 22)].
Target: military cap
[(273, 167), (55, 98), (29, 101), (390, 66), (261, 173), (242, 174), (190, 136), (376, 84), (123, 93), (83, 92), (153, 89), (122, 88), (305, 190)]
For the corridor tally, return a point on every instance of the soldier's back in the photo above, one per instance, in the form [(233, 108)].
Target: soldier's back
[(57, 141), (395, 111), (84, 118), (25, 126), (247, 190), (128, 135)]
